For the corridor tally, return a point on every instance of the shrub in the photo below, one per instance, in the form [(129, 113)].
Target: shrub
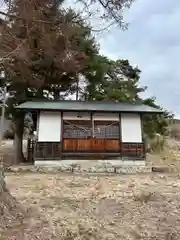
[(175, 132), (157, 143)]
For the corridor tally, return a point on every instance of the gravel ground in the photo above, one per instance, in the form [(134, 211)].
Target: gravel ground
[(64, 206)]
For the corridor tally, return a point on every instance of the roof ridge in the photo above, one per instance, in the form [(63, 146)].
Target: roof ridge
[(101, 106), (82, 101)]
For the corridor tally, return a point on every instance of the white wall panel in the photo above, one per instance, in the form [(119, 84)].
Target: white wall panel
[(49, 129), (106, 116), (131, 128), (76, 116)]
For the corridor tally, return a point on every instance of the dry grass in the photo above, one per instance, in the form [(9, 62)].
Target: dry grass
[(169, 157), (74, 207)]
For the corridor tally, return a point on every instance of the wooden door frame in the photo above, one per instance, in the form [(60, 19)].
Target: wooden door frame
[(91, 138)]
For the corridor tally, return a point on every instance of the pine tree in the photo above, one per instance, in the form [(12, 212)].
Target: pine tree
[(119, 81), (41, 49)]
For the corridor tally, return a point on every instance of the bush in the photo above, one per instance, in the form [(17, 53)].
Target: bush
[(175, 132), (157, 143), (8, 134)]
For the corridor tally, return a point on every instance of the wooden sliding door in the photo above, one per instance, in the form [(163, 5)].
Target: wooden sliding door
[(77, 136), (85, 136), (106, 136)]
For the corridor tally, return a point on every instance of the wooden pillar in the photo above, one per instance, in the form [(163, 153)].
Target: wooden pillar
[(92, 125), (142, 131), (61, 136), (37, 124), (120, 135), (36, 137), (92, 132)]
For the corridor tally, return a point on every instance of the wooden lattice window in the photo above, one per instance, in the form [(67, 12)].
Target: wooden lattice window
[(77, 129), (106, 130)]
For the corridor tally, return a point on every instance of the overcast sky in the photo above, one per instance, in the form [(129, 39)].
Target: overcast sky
[(152, 42)]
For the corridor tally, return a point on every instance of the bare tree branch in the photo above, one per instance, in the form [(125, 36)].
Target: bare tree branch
[(3, 58), (109, 10), (21, 18)]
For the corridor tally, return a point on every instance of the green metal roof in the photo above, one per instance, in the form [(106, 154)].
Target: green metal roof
[(101, 106)]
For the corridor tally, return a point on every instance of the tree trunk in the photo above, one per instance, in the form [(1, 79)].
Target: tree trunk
[(56, 94), (10, 209), (2, 182), (18, 139), (2, 185)]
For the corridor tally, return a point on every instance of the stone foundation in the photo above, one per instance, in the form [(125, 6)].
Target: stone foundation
[(93, 166), (114, 163)]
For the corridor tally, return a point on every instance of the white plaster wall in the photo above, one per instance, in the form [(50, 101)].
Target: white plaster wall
[(49, 126), (131, 128), (106, 116), (74, 116)]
